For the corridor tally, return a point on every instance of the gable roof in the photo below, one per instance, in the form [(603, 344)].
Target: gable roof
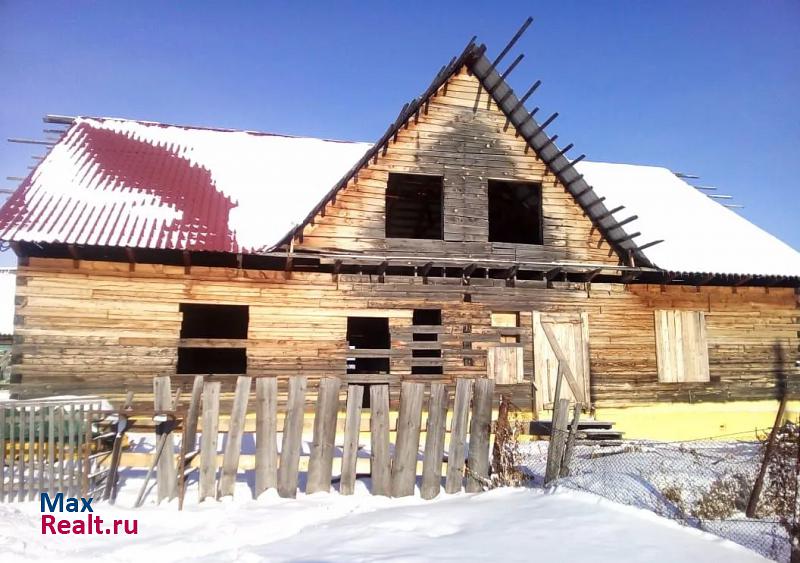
[(136, 184), (700, 236)]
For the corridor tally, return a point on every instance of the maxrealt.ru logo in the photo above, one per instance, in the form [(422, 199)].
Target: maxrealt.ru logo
[(87, 524)]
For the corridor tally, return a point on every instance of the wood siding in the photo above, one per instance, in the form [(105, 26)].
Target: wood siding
[(464, 138), (101, 325)]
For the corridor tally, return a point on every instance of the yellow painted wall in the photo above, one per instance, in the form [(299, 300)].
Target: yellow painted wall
[(685, 421)]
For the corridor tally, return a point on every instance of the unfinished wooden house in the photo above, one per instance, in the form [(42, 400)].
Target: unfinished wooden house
[(439, 251)]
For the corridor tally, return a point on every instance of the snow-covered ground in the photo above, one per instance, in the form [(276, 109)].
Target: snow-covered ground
[(505, 524)]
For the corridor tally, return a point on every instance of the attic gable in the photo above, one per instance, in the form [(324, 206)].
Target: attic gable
[(525, 126), (464, 138)]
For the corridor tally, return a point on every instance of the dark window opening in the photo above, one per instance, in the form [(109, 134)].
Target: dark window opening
[(426, 370), (424, 337), (214, 321), (368, 333), (515, 212), (427, 317), (212, 360), (414, 206)]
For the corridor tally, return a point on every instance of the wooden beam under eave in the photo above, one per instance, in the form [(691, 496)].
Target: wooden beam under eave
[(628, 277), (73, 252), (743, 281), (187, 262), (550, 275), (131, 255), (591, 274)]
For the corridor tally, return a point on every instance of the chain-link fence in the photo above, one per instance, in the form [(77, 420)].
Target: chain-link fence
[(704, 484)]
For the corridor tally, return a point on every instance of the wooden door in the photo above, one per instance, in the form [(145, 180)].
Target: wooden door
[(572, 333)]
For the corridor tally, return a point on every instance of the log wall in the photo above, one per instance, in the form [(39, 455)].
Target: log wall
[(100, 325)]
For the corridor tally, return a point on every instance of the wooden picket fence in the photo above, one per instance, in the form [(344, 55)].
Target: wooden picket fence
[(393, 471), (47, 446)]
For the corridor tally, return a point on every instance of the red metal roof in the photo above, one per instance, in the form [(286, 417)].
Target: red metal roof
[(146, 185)]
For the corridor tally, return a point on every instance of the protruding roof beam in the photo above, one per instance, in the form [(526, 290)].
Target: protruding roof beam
[(513, 41)]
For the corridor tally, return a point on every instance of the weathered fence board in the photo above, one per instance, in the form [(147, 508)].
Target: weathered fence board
[(233, 445), (571, 438), (320, 464), (352, 426), (266, 434), (44, 446), (404, 465), (458, 433), (208, 439), (479, 434), (166, 473), (434, 441), (558, 436), (289, 469), (380, 460), (193, 413)]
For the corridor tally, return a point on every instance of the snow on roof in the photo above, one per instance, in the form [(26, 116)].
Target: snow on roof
[(8, 289), (117, 182), (699, 234), (148, 185)]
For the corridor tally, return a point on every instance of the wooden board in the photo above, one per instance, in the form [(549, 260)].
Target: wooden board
[(292, 438), (434, 441), (380, 460), (208, 440), (480, 436), (681, 346), (504, 364), (404, 464), (233, 445), (266, 434), (320, 465), (458, 436), (352, 427)]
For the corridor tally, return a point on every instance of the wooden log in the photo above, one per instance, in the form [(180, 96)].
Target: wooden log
[(320, 464), (165, 472), (266, 434), (458, 436), (208, 439), (233, 445), (380, 460), (571, 438), (292, 438), (193, 413), (434, 441), (352, 426), (409, 422), (480, 436), (558, 437)]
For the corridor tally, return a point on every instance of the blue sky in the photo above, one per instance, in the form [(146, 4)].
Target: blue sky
[(709, 88)]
